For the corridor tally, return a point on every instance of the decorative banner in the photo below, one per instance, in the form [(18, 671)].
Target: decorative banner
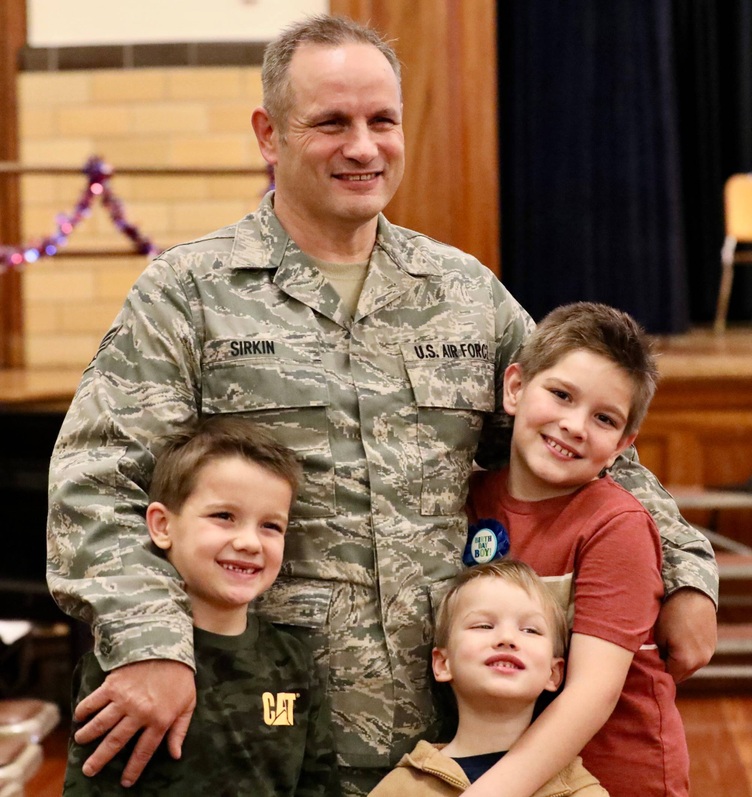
[(98, 174)]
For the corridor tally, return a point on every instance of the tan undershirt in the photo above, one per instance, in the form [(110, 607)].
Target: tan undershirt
[(347, 279)]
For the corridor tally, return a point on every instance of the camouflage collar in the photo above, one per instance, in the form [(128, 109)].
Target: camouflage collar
[(260, 240), (399, 244), (262, 243)]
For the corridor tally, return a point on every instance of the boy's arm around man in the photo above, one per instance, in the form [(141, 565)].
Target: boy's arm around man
[(686, 631)]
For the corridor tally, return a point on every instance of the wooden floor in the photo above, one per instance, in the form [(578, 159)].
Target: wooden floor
[(719, 733)]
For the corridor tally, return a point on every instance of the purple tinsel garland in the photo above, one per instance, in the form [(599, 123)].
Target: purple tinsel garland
[(98, 174)]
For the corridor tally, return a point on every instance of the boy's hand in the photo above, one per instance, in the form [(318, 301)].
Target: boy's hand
[(686, 632), (153, 697)]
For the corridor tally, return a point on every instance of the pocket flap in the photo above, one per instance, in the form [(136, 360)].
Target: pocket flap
[(245, 375), (301, 602), (451, 374)]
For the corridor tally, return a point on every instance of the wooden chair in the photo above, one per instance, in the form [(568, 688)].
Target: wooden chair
[(737, 208)]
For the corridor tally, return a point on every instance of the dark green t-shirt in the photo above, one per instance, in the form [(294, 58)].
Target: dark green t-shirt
[(260, 726)]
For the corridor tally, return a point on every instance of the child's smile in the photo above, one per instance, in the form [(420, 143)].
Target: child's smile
[(569, 423)]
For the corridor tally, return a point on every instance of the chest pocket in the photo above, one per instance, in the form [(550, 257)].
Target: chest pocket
[(281, 386), (453, 386)]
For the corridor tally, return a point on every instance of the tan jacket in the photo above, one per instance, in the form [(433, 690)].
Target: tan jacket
[(427, 772)]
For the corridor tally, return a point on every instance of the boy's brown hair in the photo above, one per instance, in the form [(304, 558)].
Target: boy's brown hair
[(513, 572), (600, 329), (186, 452)]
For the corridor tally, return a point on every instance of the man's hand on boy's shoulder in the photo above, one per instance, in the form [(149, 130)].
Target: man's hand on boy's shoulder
[(686, 632), (155, 697)]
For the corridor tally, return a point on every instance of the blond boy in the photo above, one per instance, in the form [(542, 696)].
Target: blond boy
[(500, 641)]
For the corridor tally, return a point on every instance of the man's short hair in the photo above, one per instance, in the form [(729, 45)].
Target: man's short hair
[(323, 30), (514, 572), (600, 329), (182, 455)]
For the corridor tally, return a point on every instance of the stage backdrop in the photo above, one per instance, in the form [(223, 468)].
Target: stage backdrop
[(618, 124)]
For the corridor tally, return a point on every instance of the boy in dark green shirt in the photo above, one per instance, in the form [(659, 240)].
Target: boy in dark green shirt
[(219, 504)]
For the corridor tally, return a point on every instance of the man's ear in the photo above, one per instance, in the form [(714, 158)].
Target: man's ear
[(266, 134), (625, 442), (557, 675), (442, 672), (158, 523), (512, 388)]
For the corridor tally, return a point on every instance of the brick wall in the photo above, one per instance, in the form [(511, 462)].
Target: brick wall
[(152, 117)]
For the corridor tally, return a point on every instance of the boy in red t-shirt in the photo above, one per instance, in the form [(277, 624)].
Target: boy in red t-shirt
[(578, 392)]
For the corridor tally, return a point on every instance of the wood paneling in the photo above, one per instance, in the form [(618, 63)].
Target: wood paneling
[(699, 427), (448, 52), (699, 431), (12, 38)]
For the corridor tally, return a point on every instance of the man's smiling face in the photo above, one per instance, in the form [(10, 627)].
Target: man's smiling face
[(339, 156)]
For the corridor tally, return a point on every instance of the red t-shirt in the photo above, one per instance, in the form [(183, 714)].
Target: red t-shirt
[(600, 551)]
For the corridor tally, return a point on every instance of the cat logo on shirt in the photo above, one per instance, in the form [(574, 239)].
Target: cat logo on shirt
[(278, 710)]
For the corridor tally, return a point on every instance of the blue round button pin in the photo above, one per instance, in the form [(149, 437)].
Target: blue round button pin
[(483, 546), (486, 540)]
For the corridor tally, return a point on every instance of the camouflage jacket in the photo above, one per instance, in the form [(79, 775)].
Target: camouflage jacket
[(261, 726), (385, 410)]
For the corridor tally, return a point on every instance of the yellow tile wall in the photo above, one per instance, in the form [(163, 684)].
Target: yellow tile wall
[(176, 117)]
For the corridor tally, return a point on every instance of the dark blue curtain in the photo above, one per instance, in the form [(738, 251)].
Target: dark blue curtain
[(599, 179), (713, 45)]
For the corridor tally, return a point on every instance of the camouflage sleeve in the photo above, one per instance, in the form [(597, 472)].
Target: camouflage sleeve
[(688, 558), (513, 325), (102, 567)]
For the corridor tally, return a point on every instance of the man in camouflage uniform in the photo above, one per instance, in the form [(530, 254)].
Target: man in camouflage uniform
[(386, 393)]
